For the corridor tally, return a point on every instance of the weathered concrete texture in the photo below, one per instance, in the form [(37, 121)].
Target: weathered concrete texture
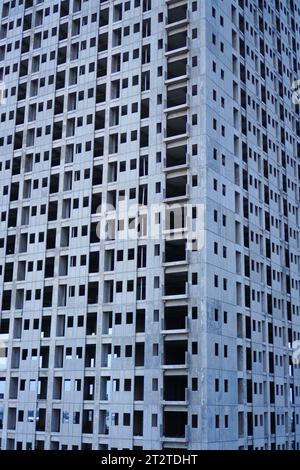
[(150, 341)]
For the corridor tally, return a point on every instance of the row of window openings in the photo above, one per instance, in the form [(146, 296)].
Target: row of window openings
[(246, 153), (174, 157), (180, 127), (98, 117), (90, 323), (101, 69), (138, 224), (144, 53), (63, 32), (268, 94), (97, 179), (39, 444), (63, 8), (174, 353), (174, 126), (109, 386), (65, 262), (175, 187), (106, 420), (266, 196), (109, 265), (175, 68), (255, 237), (263, 48), (169, 419), (110, 288), (245, 75), (175, 41), (109, 258), (70, 151), (175, 318), (21, 91), (58, 131), (262, 116)]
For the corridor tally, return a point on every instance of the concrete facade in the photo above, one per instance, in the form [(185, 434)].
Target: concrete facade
[(123, 327)]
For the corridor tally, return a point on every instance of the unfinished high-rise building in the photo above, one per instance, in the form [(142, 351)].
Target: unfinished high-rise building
[(149, 224)]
